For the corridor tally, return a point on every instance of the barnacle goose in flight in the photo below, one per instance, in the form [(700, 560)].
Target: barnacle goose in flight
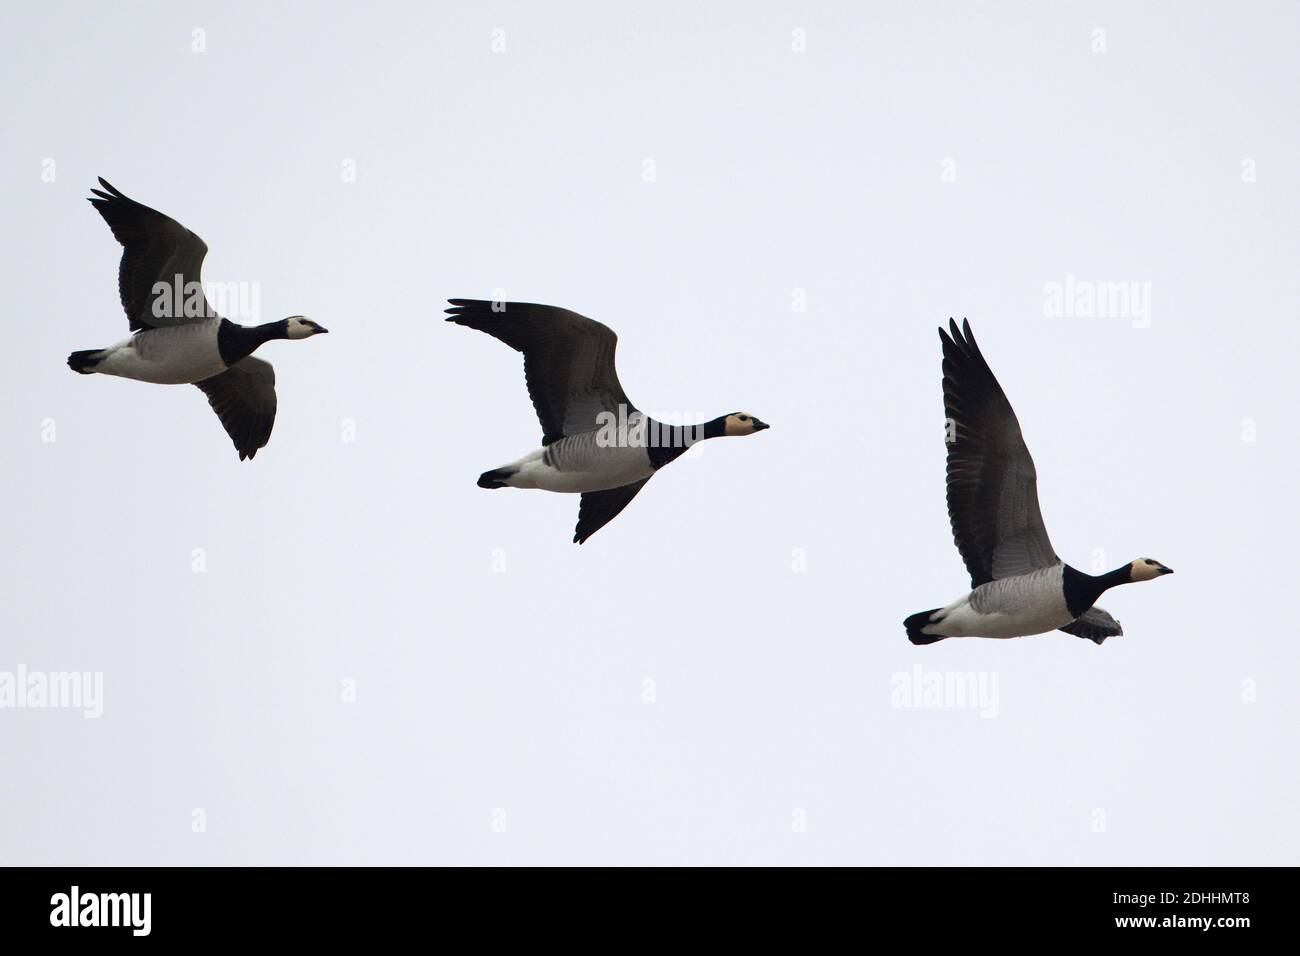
[(1020, 586), (178, 338), (594, 442)]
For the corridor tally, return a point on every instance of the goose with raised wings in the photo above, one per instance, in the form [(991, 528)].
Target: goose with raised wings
[(177, 337), (594, 441), (1020, 587)]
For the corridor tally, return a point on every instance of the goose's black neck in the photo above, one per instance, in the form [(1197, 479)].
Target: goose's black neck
[(667, 443), (1082, 590), (236, 342)]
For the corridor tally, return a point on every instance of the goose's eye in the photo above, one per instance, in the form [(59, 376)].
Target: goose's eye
[(1150, 562), (744, 418)]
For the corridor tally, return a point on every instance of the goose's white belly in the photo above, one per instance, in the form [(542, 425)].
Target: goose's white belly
[(574, 466), (1032, 603), (172, 355)]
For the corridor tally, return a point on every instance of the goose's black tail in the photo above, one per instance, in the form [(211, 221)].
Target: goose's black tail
[(496, 478), (915, 622), (85, 361)]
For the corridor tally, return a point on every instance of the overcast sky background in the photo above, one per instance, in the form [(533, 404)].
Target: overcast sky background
[(514, 700)]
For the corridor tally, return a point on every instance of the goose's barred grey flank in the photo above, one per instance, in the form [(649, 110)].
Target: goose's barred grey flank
[(177, 337), (1020, 586), (594, 441)]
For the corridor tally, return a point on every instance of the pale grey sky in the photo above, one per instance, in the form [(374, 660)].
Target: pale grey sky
[(691, 177)]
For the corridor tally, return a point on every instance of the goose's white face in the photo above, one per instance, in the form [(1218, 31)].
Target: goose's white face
[(743, 423), (301, 327), (1144, 569)]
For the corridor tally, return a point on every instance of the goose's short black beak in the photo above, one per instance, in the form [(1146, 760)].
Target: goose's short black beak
[(321, 330), (760, 426), (1164, 570)]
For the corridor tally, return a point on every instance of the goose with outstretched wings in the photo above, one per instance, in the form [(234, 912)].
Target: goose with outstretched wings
[(177, 337), (595, 442), (1020, 586)]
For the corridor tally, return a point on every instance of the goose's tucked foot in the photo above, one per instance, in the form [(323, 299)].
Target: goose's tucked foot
[(496, 478), (85, 361), (915, 625)]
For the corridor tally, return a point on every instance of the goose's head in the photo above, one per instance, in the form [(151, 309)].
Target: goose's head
[(1144, 569), (301, 327), (742, 423)]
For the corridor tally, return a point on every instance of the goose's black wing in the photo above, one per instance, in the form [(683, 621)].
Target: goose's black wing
[(1094, 624), (992, 484), (155, 248), (243, 396), (599, 508), (568, 360)]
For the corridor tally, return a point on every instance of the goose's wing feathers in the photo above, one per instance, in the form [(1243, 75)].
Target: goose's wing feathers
[(243, 396), (155, 248), (992, 484), (568, 360), (599, 508), (1095, 624)]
